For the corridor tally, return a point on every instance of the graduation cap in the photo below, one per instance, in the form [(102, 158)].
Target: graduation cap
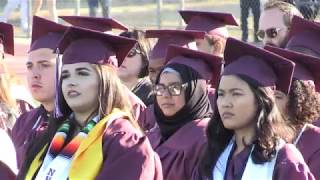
[(95, 23), (7, 37), (211, 22), (85, 45), (307, 67), (45, 33), (304, 34), (176, 37), (267, 68), (207, 65)]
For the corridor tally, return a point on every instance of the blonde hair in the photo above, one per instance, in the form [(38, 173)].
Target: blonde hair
[(113, 94), (8, 104), (218, 43), (288, 9)]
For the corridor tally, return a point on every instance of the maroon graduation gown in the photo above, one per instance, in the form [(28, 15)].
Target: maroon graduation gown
[(138, 107), (23, 106), (180, 154), (22, 132), (147, 119), (289, 165), (128, 155), (316, 123), (6, 173), (309, 146)]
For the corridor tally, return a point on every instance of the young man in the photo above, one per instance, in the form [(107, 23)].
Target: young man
[(41, 65), (158, 53), (214, 25)]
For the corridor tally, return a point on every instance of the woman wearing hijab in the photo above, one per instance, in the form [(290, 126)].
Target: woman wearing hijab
[(246, 135), (40, 77), (94, 135), (181, 111), (302, 106)]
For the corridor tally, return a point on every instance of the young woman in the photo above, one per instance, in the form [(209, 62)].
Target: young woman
[(246, 135), (8, 106), (303, 38), (181, 111), (40, 75), (106, 25), (96, 137), (302, 106), (133, 71)]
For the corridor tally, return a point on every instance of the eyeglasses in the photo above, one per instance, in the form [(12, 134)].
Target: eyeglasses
[(270, 33), (173, 89)]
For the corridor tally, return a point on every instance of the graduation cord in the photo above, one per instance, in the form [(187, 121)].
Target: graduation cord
[(57, 111), (300, 134), (223, 63)]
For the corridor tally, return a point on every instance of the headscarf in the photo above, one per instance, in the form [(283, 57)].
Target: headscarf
[(197, 103)]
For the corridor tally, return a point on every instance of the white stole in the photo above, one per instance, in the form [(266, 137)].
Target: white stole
[(252, 171)]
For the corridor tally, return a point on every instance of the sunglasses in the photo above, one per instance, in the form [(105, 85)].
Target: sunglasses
[(173, 89), (134, 51), (270, 33)]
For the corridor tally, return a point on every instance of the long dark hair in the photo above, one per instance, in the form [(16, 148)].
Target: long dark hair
[(269, 127)]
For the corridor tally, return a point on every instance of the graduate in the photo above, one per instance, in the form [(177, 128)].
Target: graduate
[(246, 135), (302, 106), (164, 39), (40, 77), (106, 25), (182, 110), (8, 106), (304, 37), (134, 71), (94, 134), (157, 60), (214, 24)]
